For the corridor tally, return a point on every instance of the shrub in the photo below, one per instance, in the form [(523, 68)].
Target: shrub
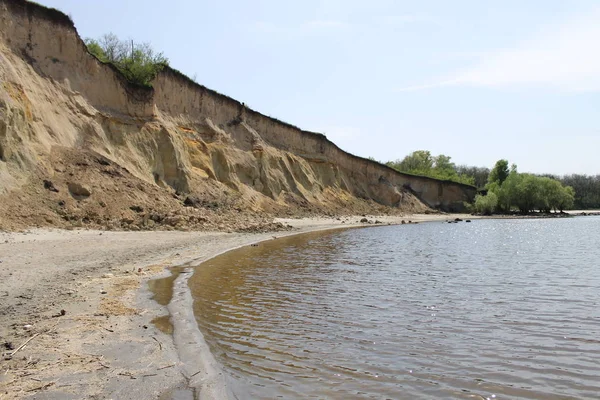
[(139, 63), (486, 204)]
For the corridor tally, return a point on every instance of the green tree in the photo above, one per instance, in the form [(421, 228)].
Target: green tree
[(478, 175), (528, 192), (528, 195), (443, 163), (587, 190), (96, 49), (550, 191), (143, 65), (420, 160), (500, 172), (503, 200), (115, 49), (566, 199), (138, 62), (486, 204)]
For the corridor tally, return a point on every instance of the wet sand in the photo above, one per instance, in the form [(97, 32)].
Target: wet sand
[(80, 301)]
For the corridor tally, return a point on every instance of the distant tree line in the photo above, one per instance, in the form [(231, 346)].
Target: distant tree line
[(587, 189), (506, 189), (138, 62)]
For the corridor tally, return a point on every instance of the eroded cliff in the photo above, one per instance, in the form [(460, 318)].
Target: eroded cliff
[(79, 145)]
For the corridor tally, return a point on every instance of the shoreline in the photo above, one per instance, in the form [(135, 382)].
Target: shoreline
[(82, 300)]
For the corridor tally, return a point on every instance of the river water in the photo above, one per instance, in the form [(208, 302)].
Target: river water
[(497, 309)]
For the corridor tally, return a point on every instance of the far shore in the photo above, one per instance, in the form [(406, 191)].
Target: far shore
[(79, 301)]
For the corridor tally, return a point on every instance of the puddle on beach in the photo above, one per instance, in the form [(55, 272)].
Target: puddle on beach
[(162, 293), (164, 324), (162, 288), (178, 394)]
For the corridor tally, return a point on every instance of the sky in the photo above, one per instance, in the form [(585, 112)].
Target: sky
[(475, 80)]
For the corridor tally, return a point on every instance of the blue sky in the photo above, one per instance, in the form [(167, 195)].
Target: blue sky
[(475, 80)]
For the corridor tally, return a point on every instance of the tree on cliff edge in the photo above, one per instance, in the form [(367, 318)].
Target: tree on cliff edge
[(421, 162), (138, 62)]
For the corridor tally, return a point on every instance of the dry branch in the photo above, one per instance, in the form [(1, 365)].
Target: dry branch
[(47, 385), (157, 341), (25, 343)]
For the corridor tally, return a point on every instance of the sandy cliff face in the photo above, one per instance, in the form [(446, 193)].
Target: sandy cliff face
[(79, 145)]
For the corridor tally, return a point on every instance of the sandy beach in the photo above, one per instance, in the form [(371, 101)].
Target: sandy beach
[(120, 175), (76, 313)]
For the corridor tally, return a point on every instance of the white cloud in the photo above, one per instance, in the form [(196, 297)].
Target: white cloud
[(565, 57)]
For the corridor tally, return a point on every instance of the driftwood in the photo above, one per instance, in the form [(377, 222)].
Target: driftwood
[(25, 343), (47, 385), (33, 337), (129, 374)]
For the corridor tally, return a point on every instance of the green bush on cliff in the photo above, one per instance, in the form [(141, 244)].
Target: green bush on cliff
[(421, 162), (138, 62)]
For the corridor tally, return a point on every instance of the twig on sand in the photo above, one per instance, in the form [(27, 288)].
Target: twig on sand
[(144, 376), (195, 374), (159, 343), (33, 337), (167, 366), (47, 385), (129, 374), (25, 343)]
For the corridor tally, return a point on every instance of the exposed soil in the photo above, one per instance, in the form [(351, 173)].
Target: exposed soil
[(87, 190)]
